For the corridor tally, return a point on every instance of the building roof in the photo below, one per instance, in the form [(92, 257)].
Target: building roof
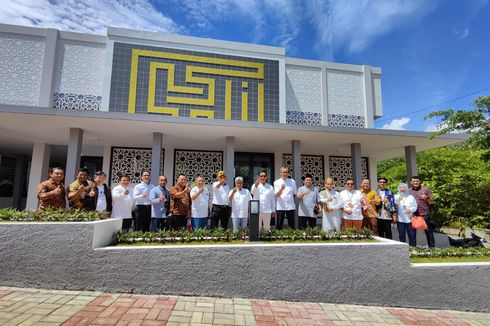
[(22, 126)]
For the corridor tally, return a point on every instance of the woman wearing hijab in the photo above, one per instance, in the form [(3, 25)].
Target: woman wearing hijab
[(406, 206)]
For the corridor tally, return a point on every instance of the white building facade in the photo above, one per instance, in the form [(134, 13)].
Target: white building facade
[(134, 100)]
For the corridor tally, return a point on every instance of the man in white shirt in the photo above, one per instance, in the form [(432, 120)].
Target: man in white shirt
[(308, 200), (200, 205), (160, 204), (351, 206), (239, 199), (221, 203), (264, 192), (141, 194), (122, 202), (285, 190)]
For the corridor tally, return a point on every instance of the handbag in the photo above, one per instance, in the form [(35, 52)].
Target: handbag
[(316, 210), (418, 223)]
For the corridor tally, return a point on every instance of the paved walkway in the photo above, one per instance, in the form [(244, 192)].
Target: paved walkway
[(20, 306)]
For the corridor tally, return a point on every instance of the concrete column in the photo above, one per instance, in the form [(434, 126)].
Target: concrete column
[(230, 161), (296, 156), (368, 96), (296, 175), (324, 97), (326, 166), (48, 70), (74, 153), (355, 149), (373, 171), (168, 166), (41, 153), (106, 86), (277, 166), (106, 164), (411, 161), (156, 157), (19, 181)]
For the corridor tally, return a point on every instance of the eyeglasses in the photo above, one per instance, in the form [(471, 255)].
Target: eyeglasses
[(349, 184), (262, 176), (382, 182)]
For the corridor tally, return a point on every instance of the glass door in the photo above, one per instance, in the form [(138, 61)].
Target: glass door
[(248, 166)]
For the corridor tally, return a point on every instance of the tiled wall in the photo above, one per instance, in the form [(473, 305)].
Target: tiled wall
[(182, 60)]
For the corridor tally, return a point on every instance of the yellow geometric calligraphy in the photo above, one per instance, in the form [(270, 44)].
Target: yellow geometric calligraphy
[(254, 70)]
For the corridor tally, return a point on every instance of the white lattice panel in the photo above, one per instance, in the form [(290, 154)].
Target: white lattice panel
[(21, 60), (348, 121), (131, 161), (304, 118), (310, 164), (341, 169), (79, 68), (198, 163), (303, 89), (345, 93)]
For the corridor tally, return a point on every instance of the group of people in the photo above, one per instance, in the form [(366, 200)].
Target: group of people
[(156, 207), (377, 209)]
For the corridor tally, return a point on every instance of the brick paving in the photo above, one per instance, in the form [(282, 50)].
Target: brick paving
[(20, 306)]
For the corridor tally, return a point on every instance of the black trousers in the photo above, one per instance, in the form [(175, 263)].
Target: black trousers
[(281, 215), (176, 222), (142, 218), (220, 214), (306, 221), (127, 223), (429, 233), (384, 228)]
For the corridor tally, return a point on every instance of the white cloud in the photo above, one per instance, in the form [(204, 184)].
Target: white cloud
[(462, 34), (354, 24), (88, 16), (437, 127), (397, 124), (431, 128), (350, 25), (276, 22)]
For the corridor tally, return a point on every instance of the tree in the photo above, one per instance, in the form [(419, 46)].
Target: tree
[(458, 178), (476, 122)]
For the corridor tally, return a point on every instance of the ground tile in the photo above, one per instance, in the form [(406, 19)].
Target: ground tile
[(32, 320)]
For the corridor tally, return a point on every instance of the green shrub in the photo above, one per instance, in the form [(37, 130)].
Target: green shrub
[(51, 215), (450, 252), (222, 235)]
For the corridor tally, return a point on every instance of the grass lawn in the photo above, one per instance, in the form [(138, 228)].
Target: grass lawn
[(468, 259)]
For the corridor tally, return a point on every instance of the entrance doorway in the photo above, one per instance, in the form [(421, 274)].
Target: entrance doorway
[(92, 164), (248, 166)]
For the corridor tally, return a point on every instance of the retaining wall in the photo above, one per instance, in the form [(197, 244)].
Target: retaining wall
[(76, 256)]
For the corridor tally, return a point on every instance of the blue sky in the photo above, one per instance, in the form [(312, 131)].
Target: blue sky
[(430, 51)]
